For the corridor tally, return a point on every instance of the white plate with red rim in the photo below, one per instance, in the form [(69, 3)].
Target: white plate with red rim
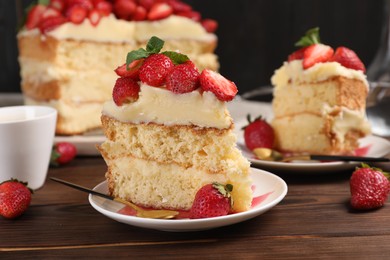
[(370, 146), (268, 191)]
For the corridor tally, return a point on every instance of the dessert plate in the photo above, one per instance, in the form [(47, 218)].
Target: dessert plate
[(269, 190), (376, 147)]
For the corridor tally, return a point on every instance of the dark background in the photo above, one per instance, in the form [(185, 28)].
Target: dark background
[(255, 37)]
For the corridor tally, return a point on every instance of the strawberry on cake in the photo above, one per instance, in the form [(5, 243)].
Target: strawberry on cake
[(169, 133), (320, 99), (68, 48)]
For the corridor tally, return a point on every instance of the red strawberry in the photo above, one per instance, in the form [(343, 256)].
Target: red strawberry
[(316, 53), (58, 4), (125, 90), (51, 23), (77, 14), (132, 72), (140, 13), (212, 200), (124, 9), (34, 16), (147, 4), (258, 134), (15, 198), (87, 4), (223, 89), (159, 11), (297, 55), (94, 17), (155, 69), (183, 78), (179, 6), (369, 188), (209, 25), (50, 12), (194, 15), (62, 153), (104, 8), (348, 59)]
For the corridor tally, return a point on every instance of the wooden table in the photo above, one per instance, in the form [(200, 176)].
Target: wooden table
[(313, 221)]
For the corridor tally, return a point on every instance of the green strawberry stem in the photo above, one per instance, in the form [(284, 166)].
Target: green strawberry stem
[(312, 36)]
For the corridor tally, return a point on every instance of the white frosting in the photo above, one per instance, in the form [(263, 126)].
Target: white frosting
[(162, 106), (293, 72)]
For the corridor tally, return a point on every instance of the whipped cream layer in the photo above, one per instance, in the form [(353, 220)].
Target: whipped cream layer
[(162, 106), (111, 29), (293, 72)]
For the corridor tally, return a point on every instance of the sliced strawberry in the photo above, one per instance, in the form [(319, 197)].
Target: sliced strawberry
[(124, 9), (348, 58), (316, 53), (179, 6), (140, 13), (35, 16), (183, 78), (51, 23), (159, 11), (94, 17), (77, 14), (104, 8), (209, 25), (57, 4), (50, 12), (125, 90), (87, 4), (194, 15), (223, 89), (132, 72), (147, 4), (297, 55)]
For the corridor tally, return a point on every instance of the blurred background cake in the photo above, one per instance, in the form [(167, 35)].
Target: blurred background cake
[(68, 49)]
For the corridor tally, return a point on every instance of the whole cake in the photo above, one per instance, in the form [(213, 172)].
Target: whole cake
[(68, 48), (320, 99), (169, 132)]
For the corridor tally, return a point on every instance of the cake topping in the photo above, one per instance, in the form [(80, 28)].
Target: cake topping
[(313, 52), (76, 11)]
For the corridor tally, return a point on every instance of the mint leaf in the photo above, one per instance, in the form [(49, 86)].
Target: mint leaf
[(312, 36), (154, 45), (135, 55), (43, 2), (177, 58)]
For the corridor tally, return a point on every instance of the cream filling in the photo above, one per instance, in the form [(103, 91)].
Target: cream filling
[(294, 72), (161, 106), (111, 29)]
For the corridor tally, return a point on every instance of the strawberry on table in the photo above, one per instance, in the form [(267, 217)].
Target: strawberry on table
[(212, 200), (223, 89), (62, 153), (258, 134), (369, 187), (15, 198)]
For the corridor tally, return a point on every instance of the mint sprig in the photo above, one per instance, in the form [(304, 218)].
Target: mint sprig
[(312, 36), (154, 46)]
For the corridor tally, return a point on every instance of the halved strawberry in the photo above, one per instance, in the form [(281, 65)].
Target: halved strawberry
[(94, 17), (194, 15), (223, 89), (77, 14), (104, 8), (209, 25), (147, 4), (297, 55), (87, 4), (51, 23), (125, 90), (316, 53), (159, 11), (132, 72), (57, 4), (179, 6), (348, 58), (34, 16), (50, 12), (124, 9)]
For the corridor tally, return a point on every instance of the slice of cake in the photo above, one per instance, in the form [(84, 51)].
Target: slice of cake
[(169, 133), (320, 100), (67, 50)]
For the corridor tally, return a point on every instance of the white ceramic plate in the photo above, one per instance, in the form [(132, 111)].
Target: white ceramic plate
[(265, 183), (377, 147)]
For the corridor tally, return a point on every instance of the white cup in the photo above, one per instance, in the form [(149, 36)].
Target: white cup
[(26, 141)]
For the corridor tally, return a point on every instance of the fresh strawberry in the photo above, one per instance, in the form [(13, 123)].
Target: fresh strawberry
[(348, 59), (34, 16), (258, 134), (125, 90), (51, 23), (223, 89), (369, 188), (297, 55), (77, 13), (50, 12), (155, 69), (94, 17), (124, 9), (147, 4), (140, 13), (62, 153), (58, 4), (209, 25), (179, 6), (15, 198), (132, 72), (87, 4), (183, 78), (316, 53), (212, 200), (104, 8), (159, 11), (194, 15)]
